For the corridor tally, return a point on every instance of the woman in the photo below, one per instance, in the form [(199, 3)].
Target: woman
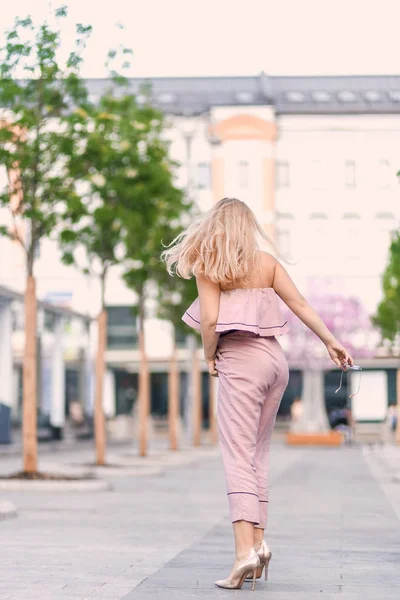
[(238, 315)]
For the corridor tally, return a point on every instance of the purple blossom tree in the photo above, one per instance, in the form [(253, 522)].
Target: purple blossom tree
[(345, 317), (348, 320)]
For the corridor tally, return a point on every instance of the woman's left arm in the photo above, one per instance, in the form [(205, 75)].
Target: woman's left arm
[(209, 296)]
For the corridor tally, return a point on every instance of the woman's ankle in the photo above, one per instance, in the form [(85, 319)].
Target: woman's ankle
[(258, 538), (243, 554)]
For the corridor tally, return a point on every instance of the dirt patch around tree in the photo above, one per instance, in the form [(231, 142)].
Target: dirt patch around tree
[(39, 476), (106, 466)]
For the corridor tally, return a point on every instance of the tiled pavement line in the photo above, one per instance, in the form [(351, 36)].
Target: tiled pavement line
[(332, 532)]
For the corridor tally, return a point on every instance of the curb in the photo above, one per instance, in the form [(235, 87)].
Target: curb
[(7, 510), (22, 485), (178, 459), (122, 469), (59, 447), (129, 463)]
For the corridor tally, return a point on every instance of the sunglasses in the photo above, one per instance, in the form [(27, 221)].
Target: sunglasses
[(350, 368)]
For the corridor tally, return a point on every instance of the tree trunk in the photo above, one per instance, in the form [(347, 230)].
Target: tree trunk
[(173, 399), (196, 399), (314, 417), (212, 409), (144, 384), (99, 420), (29, 424)]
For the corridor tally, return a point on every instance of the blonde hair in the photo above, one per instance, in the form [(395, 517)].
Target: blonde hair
[(222, 244)]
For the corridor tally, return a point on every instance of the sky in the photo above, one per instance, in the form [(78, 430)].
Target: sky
[(235, 37)]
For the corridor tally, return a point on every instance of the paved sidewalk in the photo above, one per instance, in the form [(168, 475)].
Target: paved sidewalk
[(333, 532)]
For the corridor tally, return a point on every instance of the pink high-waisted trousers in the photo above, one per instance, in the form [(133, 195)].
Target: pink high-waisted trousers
[(253, 374)]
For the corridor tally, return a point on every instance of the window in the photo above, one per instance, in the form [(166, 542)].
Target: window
[(318, 239), (282, 174), (385, 225), (121, 329), (384, 175), (286, 215), (373, 96), (49, 320), (284, 241), (203, 175), (350, 232), (18, 316), (141, 99), (317, 175), (317, 216), (180, 338), (387, 216), (347, 96), (351, 239), (166, 98), (350, 174), (350, 216), (295, 96), (243, 174), (321, 96), (394, 95), (245, 97)]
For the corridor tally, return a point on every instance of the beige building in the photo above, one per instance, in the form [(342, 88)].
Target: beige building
[(315, 158)]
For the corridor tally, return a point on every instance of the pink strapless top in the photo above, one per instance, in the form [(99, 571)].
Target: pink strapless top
[(247, 309)]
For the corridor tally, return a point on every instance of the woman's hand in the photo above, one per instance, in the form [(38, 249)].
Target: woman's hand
[(339, 354), (212, 368)]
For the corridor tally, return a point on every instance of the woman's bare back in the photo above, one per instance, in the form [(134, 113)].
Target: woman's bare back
[(262, 276)]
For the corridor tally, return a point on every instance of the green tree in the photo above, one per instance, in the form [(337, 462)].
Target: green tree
[(99, 232), (36, 94), (387, 317), (164, 206), (122, 172)]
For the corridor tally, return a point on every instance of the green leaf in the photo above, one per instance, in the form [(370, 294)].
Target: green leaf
[(46, 91), (62, 11), (68, 258), (387, 317), (67, 236)]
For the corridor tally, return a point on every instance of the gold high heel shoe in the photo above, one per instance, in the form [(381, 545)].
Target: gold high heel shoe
[(236, 579), (265, 555)]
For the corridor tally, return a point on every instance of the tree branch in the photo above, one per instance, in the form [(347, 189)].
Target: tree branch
[(16, 234)]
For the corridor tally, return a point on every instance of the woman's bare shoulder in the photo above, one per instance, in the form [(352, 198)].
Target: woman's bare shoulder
[(267, 266), (268, 259)]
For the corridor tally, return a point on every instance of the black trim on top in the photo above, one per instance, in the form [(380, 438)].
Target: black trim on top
[(247, 493), (240, 323)]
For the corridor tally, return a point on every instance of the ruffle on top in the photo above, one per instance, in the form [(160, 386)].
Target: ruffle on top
[(246, 309)]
